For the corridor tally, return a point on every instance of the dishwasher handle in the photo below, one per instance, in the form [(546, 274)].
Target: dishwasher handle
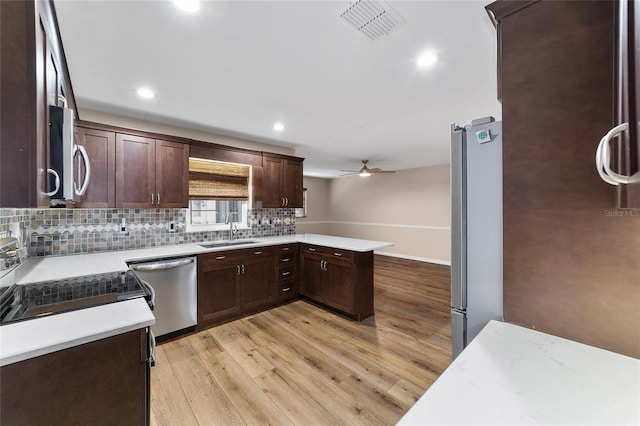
[(161, 266)]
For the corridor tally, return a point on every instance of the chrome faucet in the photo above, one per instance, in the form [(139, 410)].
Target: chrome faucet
[(228, 220)]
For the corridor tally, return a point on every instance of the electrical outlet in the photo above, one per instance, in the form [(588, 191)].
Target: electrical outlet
[(172, 226)]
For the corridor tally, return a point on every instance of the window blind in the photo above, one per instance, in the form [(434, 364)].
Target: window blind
[(215, 180)]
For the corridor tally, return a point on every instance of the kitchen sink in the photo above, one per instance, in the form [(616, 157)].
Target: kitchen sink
[(213, 244)]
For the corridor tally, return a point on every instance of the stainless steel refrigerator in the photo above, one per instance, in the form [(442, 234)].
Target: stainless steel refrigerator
[(476, 229)]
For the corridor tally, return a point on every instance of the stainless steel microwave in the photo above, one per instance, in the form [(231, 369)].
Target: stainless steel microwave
[(64, 176)]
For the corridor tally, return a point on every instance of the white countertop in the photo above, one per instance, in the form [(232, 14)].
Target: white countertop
[(26, 339), (510, 375), (59, 267)]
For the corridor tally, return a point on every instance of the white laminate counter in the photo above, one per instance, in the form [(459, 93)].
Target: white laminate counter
[(31, 338), (26, 339), (510, 375)]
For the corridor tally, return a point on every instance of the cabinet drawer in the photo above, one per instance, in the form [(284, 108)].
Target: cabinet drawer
[(219, 259), (328, 251), (257, 252), (287, 258), (287, 273), (287, 288)]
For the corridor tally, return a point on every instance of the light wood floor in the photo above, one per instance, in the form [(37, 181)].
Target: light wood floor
[(301, 365)]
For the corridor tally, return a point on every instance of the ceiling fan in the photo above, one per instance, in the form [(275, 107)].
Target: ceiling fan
[(365, 170)]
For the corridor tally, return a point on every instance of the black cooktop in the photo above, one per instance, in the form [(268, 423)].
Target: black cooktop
[(21, 302)]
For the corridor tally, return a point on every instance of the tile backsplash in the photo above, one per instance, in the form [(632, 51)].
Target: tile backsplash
[(49, 232)]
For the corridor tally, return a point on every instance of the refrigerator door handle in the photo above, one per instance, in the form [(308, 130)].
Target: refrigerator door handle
[(458, 219)]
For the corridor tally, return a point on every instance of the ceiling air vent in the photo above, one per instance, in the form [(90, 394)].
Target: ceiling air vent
[(371, 18)]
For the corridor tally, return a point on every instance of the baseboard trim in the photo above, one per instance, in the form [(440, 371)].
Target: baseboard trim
[(409, 257)]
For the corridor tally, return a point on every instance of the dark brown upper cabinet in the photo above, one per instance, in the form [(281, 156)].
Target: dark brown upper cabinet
[(151, 173), (281, 181), (34, 76), (570, 261), (101, 148), (619, 60)]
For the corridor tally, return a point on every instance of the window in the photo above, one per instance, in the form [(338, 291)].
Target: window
[(217, 190), (211, 215)]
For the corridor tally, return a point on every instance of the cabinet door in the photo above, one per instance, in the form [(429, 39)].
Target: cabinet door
[(135, 171), (338, 291), (80, 385), (272, 193), (257, 280), (172, 174), (101, 148), (293, 183), (311, 276), (218, 292)]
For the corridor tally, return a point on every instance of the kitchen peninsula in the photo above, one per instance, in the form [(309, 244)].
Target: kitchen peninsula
[(16, 346), (118, 331)]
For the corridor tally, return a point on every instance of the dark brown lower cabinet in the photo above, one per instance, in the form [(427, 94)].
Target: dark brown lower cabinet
[(286, 268), (234, 282), (98, 383), (340, 279)]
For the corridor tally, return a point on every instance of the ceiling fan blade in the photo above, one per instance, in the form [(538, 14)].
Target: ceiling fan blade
[(381, 171), (351, 171)]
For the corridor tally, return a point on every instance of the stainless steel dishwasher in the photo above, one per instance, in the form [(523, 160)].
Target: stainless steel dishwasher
[(175, 284)]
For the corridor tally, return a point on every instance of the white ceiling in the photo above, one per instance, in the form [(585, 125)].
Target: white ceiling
[(236, 67)]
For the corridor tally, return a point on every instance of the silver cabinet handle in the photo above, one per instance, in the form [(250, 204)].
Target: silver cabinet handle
[(257, 253), (603, 158), (337, 254), (242, 269), (286, 201), (220, 257), (284, 274), (152, 198), (287, 259), (284, 290), (285, 248), (237, 269), (158, 198), (312, 249)]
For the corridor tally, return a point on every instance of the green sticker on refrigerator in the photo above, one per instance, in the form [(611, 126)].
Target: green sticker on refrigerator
[(483, 136)]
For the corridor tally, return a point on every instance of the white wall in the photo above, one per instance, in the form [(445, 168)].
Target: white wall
[(410, 208), (317, 219)]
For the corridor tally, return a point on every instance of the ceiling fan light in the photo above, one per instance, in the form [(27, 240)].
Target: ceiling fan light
[(365, 173)]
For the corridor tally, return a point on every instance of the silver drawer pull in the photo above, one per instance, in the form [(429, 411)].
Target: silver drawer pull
[(286, 289), (285, 248), (220, 257), (257, 253), (337, 254), (284, 274), (286, 259), (312, 249)]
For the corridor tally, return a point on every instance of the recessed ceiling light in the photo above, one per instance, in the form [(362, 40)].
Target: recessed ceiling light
[(426, 60), (146, 93), (191, 6), (278, 127)]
